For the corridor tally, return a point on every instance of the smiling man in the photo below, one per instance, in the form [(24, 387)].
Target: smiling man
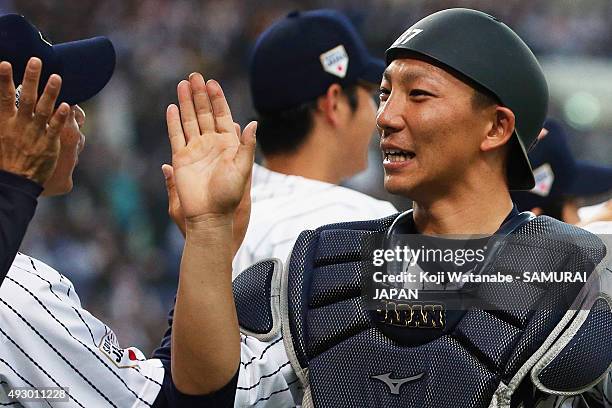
[(462, 99)]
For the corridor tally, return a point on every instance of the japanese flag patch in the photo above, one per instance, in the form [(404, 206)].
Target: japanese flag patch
[(122, 358), (544, 178), (335, 61)]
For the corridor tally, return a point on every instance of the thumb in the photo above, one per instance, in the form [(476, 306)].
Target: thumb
[(174, 206), (169, 177), (246, 150)]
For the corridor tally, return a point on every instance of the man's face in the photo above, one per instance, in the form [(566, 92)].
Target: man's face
[(72, 142), (360, 128), (430, 131)]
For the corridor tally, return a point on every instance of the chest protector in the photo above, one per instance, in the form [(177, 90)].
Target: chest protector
[(348, 356)]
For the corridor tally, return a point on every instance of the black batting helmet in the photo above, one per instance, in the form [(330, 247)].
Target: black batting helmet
[(489, 53)]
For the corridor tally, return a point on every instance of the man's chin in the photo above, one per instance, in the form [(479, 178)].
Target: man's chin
[(397, 187)]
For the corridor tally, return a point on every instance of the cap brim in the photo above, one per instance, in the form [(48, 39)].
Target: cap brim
[(520, 174), (87, 66), (590, 179), (373, 71)]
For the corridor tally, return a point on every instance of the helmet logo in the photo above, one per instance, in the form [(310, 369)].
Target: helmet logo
[(408, 35), (44, 40)]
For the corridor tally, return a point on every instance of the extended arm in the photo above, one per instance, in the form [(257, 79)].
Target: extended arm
[(211, 164)]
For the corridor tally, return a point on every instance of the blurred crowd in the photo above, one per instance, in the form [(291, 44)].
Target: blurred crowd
[(112, 236)]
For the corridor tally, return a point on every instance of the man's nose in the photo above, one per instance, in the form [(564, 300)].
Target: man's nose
[(388, 118)]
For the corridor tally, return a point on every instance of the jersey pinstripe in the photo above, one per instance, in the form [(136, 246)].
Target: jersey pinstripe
[(49, 340), (283, 206), (266, 377)]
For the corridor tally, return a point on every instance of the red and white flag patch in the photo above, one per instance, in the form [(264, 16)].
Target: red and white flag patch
[(335, 61), (544, 178), (122, 358)]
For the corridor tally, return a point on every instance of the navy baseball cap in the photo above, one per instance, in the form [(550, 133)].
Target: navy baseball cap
[(301, 55), (558, 174), (85, 66)]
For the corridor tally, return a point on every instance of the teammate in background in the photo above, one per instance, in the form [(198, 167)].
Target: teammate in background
[(312, 81), (561, 179), (456, 118), (48, 339)]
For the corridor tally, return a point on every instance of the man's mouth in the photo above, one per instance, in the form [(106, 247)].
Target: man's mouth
[(395, 155)]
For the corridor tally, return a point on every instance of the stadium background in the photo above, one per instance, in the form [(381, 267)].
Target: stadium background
[(112, 236)]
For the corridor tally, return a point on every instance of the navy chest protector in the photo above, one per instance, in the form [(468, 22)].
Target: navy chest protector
[(348, 356)]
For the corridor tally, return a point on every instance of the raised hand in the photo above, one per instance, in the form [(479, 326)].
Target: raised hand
[(211, 160), (29, 135), (211, 164), (241, 215)]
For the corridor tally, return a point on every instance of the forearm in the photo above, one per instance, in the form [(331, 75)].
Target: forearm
[(17, 205), (205, 337)]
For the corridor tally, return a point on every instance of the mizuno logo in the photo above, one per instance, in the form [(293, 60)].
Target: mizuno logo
[(395, 384)]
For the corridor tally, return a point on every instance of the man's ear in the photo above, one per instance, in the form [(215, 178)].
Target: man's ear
[(502, 128), (329, 104)]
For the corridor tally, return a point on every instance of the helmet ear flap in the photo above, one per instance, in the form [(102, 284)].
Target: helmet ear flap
[(518, 168)]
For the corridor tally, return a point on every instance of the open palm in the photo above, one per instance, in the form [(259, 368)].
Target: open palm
[(211, 161)]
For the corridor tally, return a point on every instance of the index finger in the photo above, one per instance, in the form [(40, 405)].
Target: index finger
[(175, 129)]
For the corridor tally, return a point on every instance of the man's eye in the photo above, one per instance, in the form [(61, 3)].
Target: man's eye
[(384, 93), (419, 92)]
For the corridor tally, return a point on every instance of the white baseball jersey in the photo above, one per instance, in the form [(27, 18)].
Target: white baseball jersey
[(49, 340), (283, 206), (266, 378), (599, 227)]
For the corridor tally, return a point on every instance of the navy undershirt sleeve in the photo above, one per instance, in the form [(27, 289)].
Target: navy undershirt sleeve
[(18, 199), (170, 397)]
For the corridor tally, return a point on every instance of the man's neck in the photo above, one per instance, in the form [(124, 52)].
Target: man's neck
[(463, 214), (313, 160), (299, 165)]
